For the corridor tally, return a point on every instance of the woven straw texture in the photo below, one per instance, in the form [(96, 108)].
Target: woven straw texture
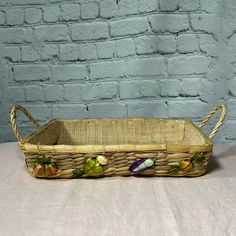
[(107, 147)]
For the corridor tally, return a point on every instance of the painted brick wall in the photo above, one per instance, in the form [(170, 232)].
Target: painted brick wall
[(117, 58)]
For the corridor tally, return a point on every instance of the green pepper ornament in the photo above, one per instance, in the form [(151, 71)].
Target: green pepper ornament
[(91, 166)]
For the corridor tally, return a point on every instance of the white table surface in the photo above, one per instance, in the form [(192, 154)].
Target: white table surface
[(118, 205)]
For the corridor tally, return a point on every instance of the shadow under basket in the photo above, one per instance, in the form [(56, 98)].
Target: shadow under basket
[(76, 148)]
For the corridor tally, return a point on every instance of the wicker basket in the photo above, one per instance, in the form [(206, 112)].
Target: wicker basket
[(75, 148)]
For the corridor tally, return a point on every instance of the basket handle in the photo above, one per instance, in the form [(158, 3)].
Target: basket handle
[(13, 121), (219, 123)]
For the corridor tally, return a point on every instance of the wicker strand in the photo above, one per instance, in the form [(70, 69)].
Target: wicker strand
[(13, 120), (219, 123)]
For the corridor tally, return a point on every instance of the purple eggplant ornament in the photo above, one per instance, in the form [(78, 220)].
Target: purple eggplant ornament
[(142, 164)]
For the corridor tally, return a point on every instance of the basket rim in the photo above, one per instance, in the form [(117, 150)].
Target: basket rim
[(26, 146)]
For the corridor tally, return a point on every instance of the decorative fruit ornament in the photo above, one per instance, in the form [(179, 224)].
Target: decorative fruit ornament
[(102, 160), (91, 166), (54, 169), (44, 167), (142, 164), (38, 169), (184, 165)]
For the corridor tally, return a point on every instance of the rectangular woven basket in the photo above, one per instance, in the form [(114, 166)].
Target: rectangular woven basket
[(75, 148)]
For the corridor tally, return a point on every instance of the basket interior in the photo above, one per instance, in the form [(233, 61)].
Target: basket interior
[(119, 131)]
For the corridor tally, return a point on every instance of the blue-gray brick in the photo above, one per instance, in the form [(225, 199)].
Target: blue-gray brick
[(204, 22), (51, 33), (51, 14), (31, 72), (170, 88), (146, 44), (28, 35), (86, 31), (73, 92), (187, 43), (229, 130), (107, 69), (125, 47), (7, 77), (58, 1), (129, 26), (68, 52), (40, 112), (34, 93), (70, 11), (98, 91), (129, 90), (169, 5), (169, 23), (49, 52), (15, 94), (33, 15), (166, 44), (189, 5), (147, 109), (210, 6), (69, 111), (127, 7), (147, 5), (15, 16), (231, 108), (106, 49), (6, 134), (15, 35), (87, 51), (195, 109), (12, 53), (29, 54), (185, 65), (152, 44), (234, 67), (53, 93), (148, 88), (89, 10), (146, 66), (30, 2), (190, 87), (209, 45), (213, 91), (4, 3), (2, 18), (231, 43), (68, 72), (232, 87), (107, 110), (108, 8)]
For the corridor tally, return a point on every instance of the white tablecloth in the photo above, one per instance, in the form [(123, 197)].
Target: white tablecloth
[(118, 205)]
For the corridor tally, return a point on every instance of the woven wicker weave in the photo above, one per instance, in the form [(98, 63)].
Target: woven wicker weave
[(72, 148)]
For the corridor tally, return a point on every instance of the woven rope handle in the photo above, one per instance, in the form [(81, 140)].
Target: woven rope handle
[(13, 120), (219, 123)]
